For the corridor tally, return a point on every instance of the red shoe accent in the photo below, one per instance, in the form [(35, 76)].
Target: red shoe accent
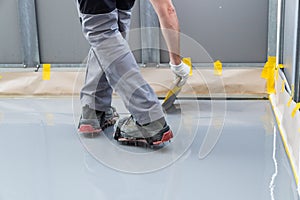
[(88, 129), (166, 137)]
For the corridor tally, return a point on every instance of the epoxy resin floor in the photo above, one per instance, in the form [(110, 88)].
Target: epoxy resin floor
[(221, 150)]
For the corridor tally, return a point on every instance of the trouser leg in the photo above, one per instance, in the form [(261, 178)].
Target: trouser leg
[(117, 62), (96, 92), (100, 98)]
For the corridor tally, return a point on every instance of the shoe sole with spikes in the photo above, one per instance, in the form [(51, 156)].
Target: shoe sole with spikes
[(159, 139)]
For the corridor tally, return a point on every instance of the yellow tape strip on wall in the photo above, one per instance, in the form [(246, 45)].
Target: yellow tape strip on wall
[(46, 72), (268, 73), (282, 86), (292, 97), (218, 68), (295, 110), (188, 61)]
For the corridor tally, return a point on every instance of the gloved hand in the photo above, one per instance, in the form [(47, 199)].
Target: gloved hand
[(181, 72)]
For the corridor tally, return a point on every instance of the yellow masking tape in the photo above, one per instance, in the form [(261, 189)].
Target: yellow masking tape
[(46, 71), (295, 110), (265, 71), (283, 86), (281, 66), (292, 96), (272, 60), (188, 61), (289, 102), (276, 73), (268, 73), (271, 82), (218, 68)]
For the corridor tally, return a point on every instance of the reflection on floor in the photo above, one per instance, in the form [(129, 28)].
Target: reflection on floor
[(221, 150)]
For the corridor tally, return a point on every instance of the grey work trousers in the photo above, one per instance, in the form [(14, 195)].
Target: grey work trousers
[(111, 65)]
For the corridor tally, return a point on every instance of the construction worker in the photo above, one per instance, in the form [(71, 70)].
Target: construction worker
[(111, 65)]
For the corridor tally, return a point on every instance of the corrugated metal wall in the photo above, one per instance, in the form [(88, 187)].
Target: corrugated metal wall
[(10, 42), (290, 39), (59, 30), (289, 44), (60, 36), (232, 30)]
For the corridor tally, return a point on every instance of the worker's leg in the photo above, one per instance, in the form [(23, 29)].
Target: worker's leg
[(98, 96), (96, 92), (117, 62)]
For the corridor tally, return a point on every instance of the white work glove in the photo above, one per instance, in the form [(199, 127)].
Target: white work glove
[(181, 72)]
